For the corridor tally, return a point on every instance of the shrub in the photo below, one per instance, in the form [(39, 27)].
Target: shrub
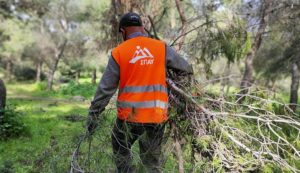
[(41, 86), (24, 73), (11, 124), (74, 89), (7, 167), (64, 79)]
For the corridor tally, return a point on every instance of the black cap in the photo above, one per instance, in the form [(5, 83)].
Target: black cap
[(130, 19)]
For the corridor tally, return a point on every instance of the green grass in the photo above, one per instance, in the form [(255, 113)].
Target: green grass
[(66, 91), (55, 124), (47, 127), (53, 135)]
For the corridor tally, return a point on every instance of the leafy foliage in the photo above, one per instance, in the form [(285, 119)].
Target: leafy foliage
[(11, 124), (41, 86), (7, 167), (25, 73), (75, 89)]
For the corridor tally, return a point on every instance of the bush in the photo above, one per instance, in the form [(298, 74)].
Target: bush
[(11, 124), (86, 90), (23, 73), (64, 79), (7, 167), (41, 86)]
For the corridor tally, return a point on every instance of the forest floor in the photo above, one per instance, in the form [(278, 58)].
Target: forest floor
[(56, 122), (53, 124)]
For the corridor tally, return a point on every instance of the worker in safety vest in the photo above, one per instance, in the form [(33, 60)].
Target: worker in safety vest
[(137, 67)]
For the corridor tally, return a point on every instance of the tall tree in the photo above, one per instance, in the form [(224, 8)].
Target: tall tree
[(279, 56), (183, 24), (60, 15), (2, 97), (295, 73), (153, 14), (15, 43), (18, 29), (34, 53), (248, 79)]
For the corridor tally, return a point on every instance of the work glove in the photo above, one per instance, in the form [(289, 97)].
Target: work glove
[(92, 124)]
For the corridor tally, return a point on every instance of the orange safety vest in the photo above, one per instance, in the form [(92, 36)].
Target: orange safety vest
[(143, 96)]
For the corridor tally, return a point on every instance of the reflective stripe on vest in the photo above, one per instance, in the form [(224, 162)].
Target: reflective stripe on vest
[(145, 104), (147, 88)]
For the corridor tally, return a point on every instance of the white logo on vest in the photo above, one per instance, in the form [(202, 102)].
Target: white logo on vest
[(142, 54)]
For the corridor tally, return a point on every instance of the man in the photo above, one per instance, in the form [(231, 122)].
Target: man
[(138, 68)]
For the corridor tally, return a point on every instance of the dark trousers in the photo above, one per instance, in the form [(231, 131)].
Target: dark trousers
[(149, 136)]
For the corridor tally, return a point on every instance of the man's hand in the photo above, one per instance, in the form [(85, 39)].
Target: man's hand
[(92, 124)]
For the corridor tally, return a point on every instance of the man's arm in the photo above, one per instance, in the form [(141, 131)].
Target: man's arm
[(106, 89), (177, 63)]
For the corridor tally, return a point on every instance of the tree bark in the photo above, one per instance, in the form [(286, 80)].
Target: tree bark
[(295, 72), (39, 70), (8, 69), (94, 76), (2, 97), (115, 7), (225, 80), (77, 76), (183, 26), (248, 79), (172, 17), (118, 8), (52, 70), (50, 79)]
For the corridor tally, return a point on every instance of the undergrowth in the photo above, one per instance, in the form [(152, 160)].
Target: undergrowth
[(11, 124), (84, 89), (74, 89)]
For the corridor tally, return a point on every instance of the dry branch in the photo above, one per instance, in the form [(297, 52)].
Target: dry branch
[(243, 137), (265, 143)]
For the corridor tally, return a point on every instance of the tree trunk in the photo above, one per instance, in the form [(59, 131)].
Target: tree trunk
[(115, 6), (8, 70), (117, 9), (183, 28), (248, 79), (94, 76), (77, 76), (50, 79), (39, 70), (295, 72), (52, 70), (225, 80), (2, 98), (172, 17)]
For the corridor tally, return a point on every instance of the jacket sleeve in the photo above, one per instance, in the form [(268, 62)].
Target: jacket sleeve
[(106, 88), (177, 63)]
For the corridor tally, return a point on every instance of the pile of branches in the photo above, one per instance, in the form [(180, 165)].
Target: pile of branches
[(224, 134), (210, 133)]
